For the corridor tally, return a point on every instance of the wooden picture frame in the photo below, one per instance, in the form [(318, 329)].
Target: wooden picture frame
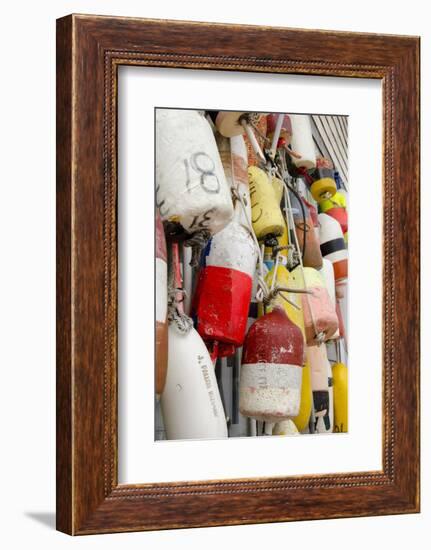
[(89, 51)]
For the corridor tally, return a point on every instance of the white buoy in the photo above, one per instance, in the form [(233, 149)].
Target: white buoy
[(191, 187), (191, 403), (302, 141)]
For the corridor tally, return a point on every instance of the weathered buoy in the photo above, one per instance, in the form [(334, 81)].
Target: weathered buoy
[(332, 245), (302, 142), (301, 421), (191, 188), (320, 316), (321, 426), (286, 279), (327, 272), (191, 403), (318, 359), (286, 127), (271, 371), (340, 379), (161, 307), (312, 256), (340, 214), (240, 180), (323, 186), (267, 219), (223, 291)]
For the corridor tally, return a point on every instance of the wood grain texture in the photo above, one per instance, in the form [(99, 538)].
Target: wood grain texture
[(90, 49)]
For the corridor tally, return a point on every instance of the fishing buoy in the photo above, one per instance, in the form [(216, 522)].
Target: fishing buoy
[(340, 379), (223, 291), (320, 316), (191, 187), (312, 256), (285, 427), (229, 123), (302, 419), (302, 142), (332, 245), (321, 427), (283, 239), (318, 359), (337, 200), (191, 403), (267, 219), (161, 307), (283, 278), (327, 272), (323, 186), (271, 371), (286, 127), (240, 180), (340, 214)]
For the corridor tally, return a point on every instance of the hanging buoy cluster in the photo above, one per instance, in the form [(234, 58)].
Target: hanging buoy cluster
[(251, 277)]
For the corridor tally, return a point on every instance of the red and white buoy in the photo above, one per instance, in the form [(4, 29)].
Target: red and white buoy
[(271, 371), (223, 291), (332, 246), (191, 187), (161, 307)]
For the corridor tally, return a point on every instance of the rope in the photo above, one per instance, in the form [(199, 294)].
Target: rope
[(183, 323), (319, 336)]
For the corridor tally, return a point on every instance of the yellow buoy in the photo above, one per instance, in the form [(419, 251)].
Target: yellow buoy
[(266, 215), (301, 421), (285, 279), (336, 200), (322, 188), (340, 378)]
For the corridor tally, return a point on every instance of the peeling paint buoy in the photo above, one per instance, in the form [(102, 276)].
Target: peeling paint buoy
[(319, 307), (191, 189), (271, 371)]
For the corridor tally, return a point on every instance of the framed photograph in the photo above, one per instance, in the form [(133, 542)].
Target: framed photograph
[(237, 274)]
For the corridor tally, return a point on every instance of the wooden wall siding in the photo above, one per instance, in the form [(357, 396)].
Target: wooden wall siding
[(331, 138)]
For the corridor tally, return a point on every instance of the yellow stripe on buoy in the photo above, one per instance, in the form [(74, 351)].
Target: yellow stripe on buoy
[(340, 379), (266, 215)]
